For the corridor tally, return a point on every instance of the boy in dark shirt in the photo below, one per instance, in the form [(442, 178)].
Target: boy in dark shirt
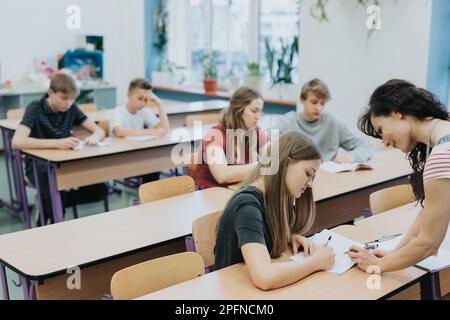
[(47, 124)]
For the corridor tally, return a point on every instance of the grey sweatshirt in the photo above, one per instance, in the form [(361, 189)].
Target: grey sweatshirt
[(329, 133)]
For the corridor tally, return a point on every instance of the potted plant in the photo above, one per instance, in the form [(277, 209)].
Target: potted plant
[(254, 77), (281, 65), (210, 72)]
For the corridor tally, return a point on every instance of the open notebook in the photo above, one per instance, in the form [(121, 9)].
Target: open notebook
[(334, 167), (340, 245), (432, 264)]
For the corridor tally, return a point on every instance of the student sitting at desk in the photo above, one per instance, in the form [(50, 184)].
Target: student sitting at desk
[(413, 120), (136, 119), (229, 150), (327, 131), (269, 214), (47, 124)]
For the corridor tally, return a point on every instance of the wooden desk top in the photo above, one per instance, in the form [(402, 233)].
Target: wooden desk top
[(120, 145), (387, 165), (395, 221), (40, 252), (234, 282)]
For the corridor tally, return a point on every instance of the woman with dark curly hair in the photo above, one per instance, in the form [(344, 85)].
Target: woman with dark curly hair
[(413, 120)]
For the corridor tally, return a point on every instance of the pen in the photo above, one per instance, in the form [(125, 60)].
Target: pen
[(329, 238)]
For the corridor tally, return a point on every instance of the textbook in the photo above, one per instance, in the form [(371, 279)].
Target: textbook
[(334, 167), (340, 245), (141, 138)]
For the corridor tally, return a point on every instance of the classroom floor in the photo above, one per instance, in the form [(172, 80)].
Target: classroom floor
[(10, 222)]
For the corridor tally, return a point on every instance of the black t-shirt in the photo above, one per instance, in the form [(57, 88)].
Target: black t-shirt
[(244, 220), (46, 124)]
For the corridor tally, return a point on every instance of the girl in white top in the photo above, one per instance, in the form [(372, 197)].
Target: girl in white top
[(132, 118), (136, 119)]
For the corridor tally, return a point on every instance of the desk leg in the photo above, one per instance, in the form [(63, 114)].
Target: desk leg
[(14, 204), (28, 288), (38, 190), (4, 281), (430, 286), (22, 188), (54, 193)]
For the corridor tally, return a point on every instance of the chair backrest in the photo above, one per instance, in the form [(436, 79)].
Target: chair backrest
[(391, 198), (156, 274), (205, 118), (15, 114), (204, 231), (104, 124), (88, 107), (166, 188)]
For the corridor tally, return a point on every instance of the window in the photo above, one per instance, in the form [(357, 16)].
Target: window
[(230, 35), (279, 25), (236, 29)]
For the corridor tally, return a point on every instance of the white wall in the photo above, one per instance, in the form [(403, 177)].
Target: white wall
[(339, 53), (30, 29)]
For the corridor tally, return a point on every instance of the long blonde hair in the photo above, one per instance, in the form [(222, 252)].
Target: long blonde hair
[(232, 116), (286, 215)]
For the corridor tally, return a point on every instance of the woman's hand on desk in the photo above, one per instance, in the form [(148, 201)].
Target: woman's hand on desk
[(297, 242), (367, 259)]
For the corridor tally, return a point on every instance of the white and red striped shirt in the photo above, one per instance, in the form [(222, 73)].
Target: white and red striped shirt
[(437, 165)]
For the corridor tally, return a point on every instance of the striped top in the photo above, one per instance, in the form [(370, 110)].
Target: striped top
[(437, 165)]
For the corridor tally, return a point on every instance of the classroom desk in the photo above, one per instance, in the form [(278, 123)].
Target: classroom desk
[(399, 220), (343, 196), (103, 244), (234, 283), (177, 112), (122, 159), (18, 202)]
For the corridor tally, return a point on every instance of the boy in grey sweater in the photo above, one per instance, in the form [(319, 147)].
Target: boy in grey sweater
[(328, 132)]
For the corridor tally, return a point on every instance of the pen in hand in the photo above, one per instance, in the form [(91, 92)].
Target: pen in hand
[(329, 238)]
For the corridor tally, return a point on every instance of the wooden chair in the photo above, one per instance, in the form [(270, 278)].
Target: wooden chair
[(157, 274), (204, 232), (205, 118), (166, 188), (15, 114), (390, 198), (88, 107)]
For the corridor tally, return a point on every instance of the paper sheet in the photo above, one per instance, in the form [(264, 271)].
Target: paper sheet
[(340, 245), (141, 138)]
